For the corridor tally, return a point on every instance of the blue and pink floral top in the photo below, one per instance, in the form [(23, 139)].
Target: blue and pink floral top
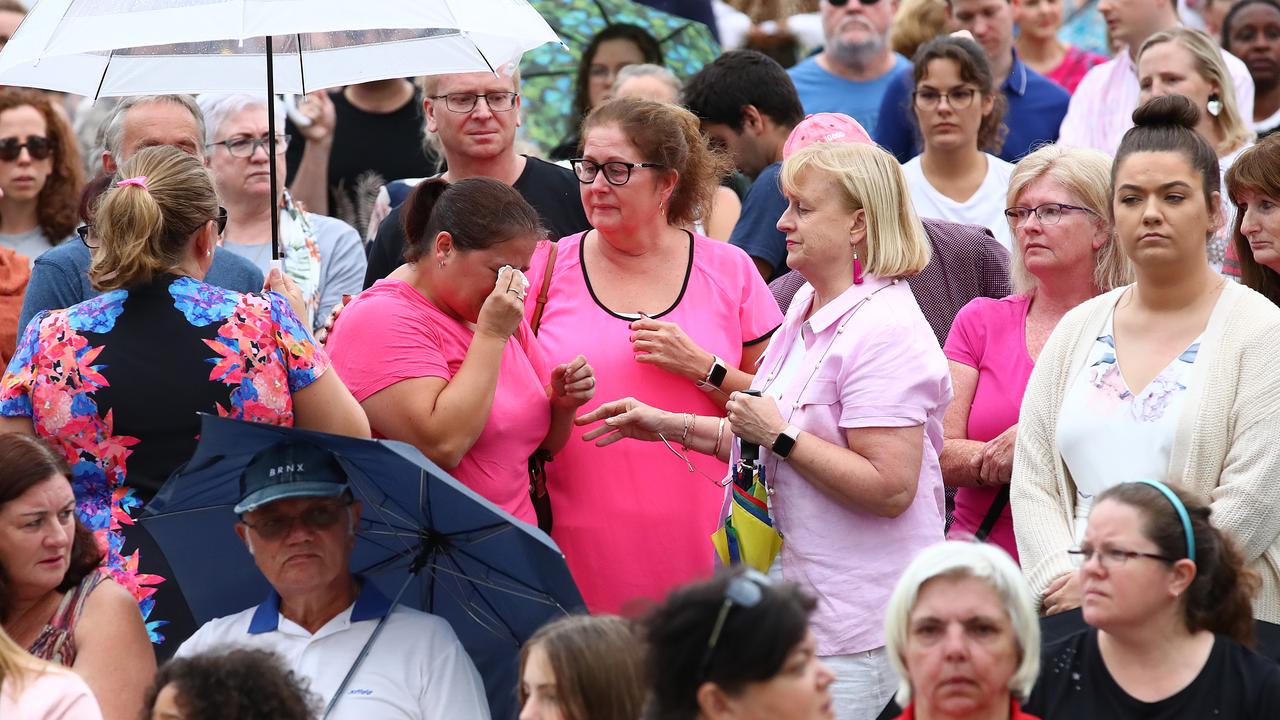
[(116, 383), (1108, 434)]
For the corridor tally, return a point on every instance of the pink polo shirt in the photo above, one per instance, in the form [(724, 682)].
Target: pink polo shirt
[(866, 364)]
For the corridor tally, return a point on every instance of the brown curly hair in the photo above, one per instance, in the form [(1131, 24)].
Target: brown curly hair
[(672, 137), (26, 461), (59, 198), (239, 684)]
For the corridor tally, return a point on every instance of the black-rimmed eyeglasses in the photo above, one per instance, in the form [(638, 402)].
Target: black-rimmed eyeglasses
[(1111, 557), (85, 231), (243, 147), (466, 102), (616, 172), (745, 591), (1047, 213)]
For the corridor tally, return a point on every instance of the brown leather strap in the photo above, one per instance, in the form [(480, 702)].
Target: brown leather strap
[(541, 303)]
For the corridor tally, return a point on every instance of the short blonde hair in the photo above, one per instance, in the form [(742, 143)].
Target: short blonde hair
[(1085, 174), (145, 231), (915, 23), (1209, 63), (870, 179), (956, 560)]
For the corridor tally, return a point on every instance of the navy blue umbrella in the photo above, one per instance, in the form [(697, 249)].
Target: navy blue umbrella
[(423, 538)]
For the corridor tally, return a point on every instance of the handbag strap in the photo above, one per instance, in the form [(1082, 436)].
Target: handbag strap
[(541, 303), (993, 514)]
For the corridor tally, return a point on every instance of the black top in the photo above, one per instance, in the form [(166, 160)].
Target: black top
[(369, 150), (551, 190), (1074, 684)]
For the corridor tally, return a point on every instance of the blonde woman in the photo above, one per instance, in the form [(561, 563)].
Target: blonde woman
[(32, 689), (850, 421), (1063, 254), (915, 23), (1188, 62)]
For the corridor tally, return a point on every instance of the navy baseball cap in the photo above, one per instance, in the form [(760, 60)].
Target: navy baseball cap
[(290, 470)]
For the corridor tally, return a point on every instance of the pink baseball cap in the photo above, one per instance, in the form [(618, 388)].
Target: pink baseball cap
[(825, 127)]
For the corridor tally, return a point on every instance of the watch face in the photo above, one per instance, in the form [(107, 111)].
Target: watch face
[(783, 445), (718, 374)]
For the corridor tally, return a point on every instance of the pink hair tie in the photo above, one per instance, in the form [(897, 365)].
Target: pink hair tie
[(139, 181)]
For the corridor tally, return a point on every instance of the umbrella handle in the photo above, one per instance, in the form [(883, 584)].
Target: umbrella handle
[(750, 452), (364, 651)]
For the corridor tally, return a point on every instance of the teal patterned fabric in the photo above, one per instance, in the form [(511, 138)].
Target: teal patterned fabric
[(1084, 27), (547, 73)]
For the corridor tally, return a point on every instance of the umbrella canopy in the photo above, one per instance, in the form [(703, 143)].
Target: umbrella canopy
[(548, 73), (494, 578), (101, 48), (748, 535)]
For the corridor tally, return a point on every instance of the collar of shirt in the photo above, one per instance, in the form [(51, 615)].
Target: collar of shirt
[(832, 312), (1016, 83), (370, 604)]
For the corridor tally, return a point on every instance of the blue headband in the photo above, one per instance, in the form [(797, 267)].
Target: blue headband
[(1182, 514)]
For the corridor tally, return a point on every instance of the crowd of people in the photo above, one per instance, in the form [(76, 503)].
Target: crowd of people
[(955, 340)]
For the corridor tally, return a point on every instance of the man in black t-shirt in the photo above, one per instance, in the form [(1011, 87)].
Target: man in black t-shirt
[(475, 116), (360, 138)]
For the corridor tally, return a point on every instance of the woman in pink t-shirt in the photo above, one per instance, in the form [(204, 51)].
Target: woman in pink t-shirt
[(32, 689), (1062, 255), (670, 317), (439, 355)]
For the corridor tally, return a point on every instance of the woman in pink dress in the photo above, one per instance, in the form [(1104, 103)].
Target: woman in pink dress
[(1039, 47), (439, 355), (666, 315), (1062, 255)]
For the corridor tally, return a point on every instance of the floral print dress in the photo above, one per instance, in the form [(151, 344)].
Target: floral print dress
[(116, 384), (1107, 434)]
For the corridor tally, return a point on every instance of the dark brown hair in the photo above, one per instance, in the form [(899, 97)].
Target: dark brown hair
[(1256, 170), (598, 667), (25, 462), (238, 684), (975, 70), (1168, 124), (672, 137), (56, 205), (1220, 598), (638, 36), (478, 213)]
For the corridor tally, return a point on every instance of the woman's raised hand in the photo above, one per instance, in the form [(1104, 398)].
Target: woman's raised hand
[(625, 418), (277, 281), (573, 384), (503, 310), (664, 344)]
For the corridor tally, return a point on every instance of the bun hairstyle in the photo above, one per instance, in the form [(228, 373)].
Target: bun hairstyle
[(1168, 124), (478, 213), (145, 231), (672, 137), (1220, 598)]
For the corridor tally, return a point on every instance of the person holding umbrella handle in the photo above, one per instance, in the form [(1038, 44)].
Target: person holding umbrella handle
[(854, 388)]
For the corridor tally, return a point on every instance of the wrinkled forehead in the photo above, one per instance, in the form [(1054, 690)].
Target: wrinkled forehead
[(160, 123), (478, 82)]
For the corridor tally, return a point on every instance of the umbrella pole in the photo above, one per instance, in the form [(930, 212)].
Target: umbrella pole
[(364, 651), (271, 152)]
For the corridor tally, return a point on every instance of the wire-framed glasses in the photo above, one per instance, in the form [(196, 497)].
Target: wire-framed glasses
[(466, 102), (243, 147), (1112, 557), (1047, 214)]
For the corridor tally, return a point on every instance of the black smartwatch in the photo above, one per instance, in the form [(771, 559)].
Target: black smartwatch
[(715, 376), (786, 441)]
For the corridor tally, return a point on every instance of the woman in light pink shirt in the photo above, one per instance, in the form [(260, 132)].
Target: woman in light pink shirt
[(32, 689), (439, 355), (850, 423), (1062, 255)]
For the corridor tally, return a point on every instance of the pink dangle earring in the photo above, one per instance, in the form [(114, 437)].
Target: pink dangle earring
[(857, 268)]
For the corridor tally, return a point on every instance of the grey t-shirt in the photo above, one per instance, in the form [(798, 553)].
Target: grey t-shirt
[(31, 243), (342, 261)]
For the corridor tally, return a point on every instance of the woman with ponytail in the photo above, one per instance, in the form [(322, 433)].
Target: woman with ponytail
[(1170, 604), (115, 383)]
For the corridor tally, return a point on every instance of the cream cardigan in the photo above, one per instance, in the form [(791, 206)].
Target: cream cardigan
[(1226, 451)]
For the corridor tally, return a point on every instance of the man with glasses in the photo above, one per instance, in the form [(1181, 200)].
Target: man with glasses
[(60, 277), (473, 118), (323, 255), (1034, 106), (298, 521), (856, 66)]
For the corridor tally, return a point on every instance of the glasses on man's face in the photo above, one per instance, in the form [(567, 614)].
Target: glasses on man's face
[(1047, 213), (616, 172), (1111, 557), (745, 591), (842, 3), (37, 147), (316, 518), (243, 147), (958, 99), (466, 102)]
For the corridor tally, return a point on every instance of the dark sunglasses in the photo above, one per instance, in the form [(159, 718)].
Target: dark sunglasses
[(38, 147), (85, 231), (316, 519), (746, 591), (842, 3)]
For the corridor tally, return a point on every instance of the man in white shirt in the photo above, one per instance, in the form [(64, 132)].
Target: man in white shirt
[(298, 521), (1101, 109)]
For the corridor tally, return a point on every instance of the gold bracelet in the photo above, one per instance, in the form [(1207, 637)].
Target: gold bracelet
[(684, 436), (719, 437)]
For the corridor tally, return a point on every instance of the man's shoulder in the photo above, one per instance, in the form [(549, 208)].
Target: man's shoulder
[(226, 629), (808, 69), (70, 254), (538, 170), (1043, 87)]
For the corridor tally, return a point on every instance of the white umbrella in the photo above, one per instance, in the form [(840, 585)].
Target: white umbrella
[(102, 48)]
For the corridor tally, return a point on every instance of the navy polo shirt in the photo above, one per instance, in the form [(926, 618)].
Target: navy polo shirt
[(1034, 110)]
